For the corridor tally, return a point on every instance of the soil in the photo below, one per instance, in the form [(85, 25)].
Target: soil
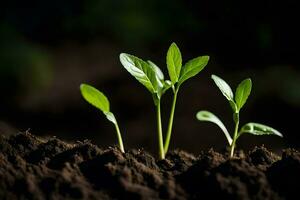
[(37, 168)]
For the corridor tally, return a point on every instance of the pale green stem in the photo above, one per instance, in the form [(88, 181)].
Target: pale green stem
[(170, 125), (237, 121), (159, 131), (119, 137)]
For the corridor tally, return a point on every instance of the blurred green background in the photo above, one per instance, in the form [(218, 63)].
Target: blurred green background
[(47, 48)]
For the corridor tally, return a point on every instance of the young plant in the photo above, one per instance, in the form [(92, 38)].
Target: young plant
[(241, 95), (100, 101), (178, 75), (149, 75)]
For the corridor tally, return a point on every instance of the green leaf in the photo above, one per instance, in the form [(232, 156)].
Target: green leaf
[(163, 85), (242, 92), (192, 68), (210, 117), (258, 129), (142, 71), (174, 62), (224, 87), (95, 97), (157, 70)]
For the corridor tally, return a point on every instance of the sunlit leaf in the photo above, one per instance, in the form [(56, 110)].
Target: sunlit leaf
[(242, 92), (210, 117), (174, 62), (224, 87), (192, 68), (259, 129), (141, 70), (157, 70), (95, 97)]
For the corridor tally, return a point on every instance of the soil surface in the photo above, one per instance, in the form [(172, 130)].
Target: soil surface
[(37, 168)]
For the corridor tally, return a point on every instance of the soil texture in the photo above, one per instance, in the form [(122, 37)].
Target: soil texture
[(37, 168)]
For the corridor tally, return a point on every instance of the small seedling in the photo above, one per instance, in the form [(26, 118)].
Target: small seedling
[(150, 75), (100, 101), (241, 95)]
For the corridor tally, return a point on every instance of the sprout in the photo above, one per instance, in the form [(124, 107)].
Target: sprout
[(150, 75), (178, 75), (241, 95), (100, 101)]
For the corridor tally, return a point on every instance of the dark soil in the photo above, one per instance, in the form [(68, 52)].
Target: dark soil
[(35, 168)]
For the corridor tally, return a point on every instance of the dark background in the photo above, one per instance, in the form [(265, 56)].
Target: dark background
[(47, 48)]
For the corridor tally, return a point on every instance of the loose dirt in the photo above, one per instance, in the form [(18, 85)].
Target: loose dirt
[(37, 168)]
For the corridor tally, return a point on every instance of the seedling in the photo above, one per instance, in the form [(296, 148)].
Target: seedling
[(179, 75), (241, 95), (150, 75), (100, 101)]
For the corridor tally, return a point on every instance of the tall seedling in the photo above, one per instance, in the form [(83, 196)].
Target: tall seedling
[(149, 75), (178, 75)]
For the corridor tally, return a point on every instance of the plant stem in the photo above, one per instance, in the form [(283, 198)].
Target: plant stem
[(159, 131), (119, 137), (170, 125), (237, 121)]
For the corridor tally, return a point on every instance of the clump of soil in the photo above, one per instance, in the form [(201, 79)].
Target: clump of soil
[(36, 168)]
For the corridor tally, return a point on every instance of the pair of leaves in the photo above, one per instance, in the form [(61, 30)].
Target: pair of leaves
[(98, 100), (179, 74), (241, 94), (147, 73), (251, 128)]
